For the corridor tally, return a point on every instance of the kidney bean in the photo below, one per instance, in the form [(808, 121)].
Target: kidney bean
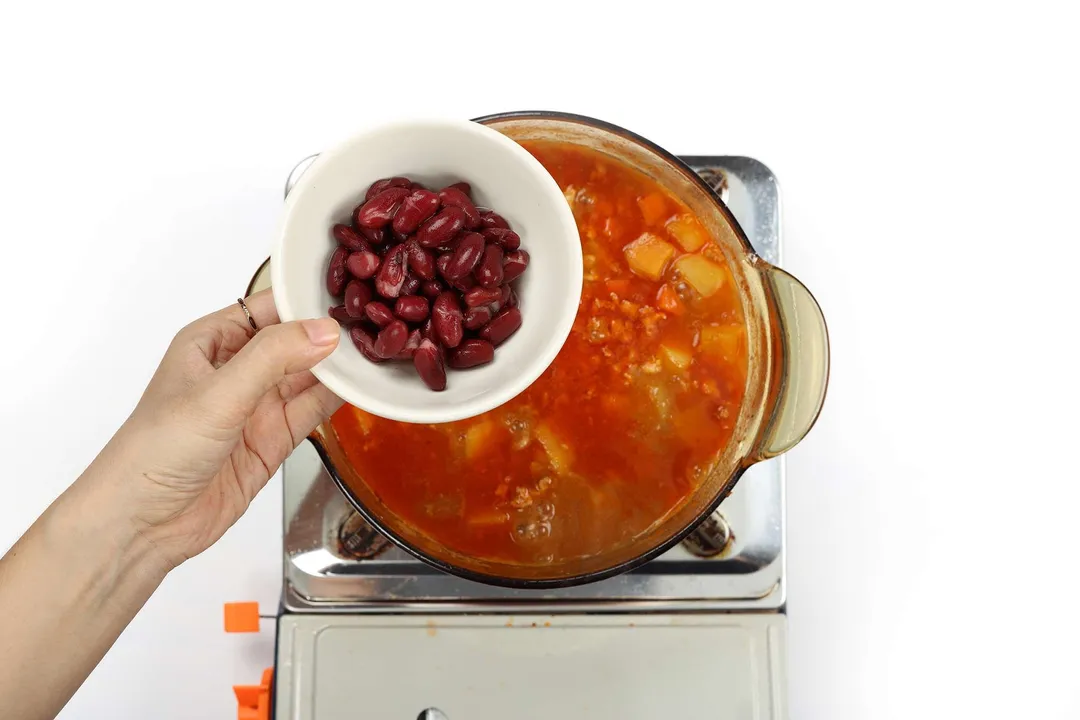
[(478, 296), (463, 187), (379, 210), (336, 275), (363, 264), (411, 308), (446, 319), (339, 313), (421, 261), (478, 317), (364, 340), (391, 275), (467, 256), (504, 291), (431, 289), (454, 197), (470, 353), (511, 297), (379, 313), (447, 223), (410, 346), (357, 295), (428, 362), (501, 326), (417, 207), (427, 330), (379, 185), (391, 339), (492, 219), (374, 236), (507, 239), (514, 265), (351, 239), (411, 286), (489, 272)]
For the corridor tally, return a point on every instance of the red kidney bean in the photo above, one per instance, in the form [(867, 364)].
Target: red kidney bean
[(339, 313), (463, 187), (501, 326), (466, 257), (357, 295), (379, 313), (511, 297), (417, 207), (364, 340), (391, 275), (470, 353), (351, 239), (492, 219), (379, 210), (410, 346), (427, 330), (463, 284), (411, 308), (478, 317), (363, 264), (478, 296), (441, 263), (431, 289), (505, 294), (453, 197), (446, 319), (428, 362), (507, 239), (391, 339), (374, 236), (447, 223), (421, 261), (489, 272), (336, 275), (411, 286), (514, 264), (379, 185)]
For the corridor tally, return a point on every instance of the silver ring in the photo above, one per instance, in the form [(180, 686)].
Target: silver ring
[(251, 320)]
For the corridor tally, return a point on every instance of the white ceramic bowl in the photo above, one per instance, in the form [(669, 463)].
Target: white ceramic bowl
[(505, 177)]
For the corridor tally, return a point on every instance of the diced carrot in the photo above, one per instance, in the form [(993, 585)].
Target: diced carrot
[(653, 208), (619, 286), (669, 301)]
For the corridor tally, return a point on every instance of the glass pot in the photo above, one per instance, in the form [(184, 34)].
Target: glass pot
[(788, 370)]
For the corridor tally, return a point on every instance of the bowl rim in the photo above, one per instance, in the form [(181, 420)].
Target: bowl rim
[(525, 374)]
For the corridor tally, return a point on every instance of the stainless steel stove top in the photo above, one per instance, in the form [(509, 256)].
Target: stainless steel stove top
[(333, 563)]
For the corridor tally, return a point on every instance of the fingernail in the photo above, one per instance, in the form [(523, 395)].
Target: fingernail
[(323, 331)]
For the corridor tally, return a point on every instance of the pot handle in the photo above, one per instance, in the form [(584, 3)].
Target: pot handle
[(802, 373)]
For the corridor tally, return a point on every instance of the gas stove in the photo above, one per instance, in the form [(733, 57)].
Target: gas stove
[(366, 630)]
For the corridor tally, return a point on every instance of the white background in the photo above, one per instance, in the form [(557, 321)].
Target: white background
[(928, 158)]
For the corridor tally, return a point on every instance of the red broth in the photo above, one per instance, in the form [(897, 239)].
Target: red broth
[(623, 426)]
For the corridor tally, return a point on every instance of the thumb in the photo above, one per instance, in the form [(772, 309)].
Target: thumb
[(231, 393)]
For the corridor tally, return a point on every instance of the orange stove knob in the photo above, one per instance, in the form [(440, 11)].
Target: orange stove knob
[(242, 617)]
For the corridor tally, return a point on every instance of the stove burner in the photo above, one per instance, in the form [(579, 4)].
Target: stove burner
[(358, 540), (717, 180), (710, 538)]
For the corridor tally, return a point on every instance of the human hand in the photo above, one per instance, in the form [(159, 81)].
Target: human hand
[(222, 412)]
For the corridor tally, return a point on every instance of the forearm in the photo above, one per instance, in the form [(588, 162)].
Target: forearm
[(68, 588)]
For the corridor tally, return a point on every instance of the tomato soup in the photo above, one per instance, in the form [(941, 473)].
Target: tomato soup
[(628, 420)]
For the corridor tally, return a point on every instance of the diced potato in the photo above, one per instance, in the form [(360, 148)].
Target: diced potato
[(653, 208), (702, 274), (648, 256), (678, 357), (661, 399), (559, 453), (724, 341), (687, 232), (478, 438)]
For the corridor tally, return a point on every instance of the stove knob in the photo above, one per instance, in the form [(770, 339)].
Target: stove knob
[(710, 538)]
